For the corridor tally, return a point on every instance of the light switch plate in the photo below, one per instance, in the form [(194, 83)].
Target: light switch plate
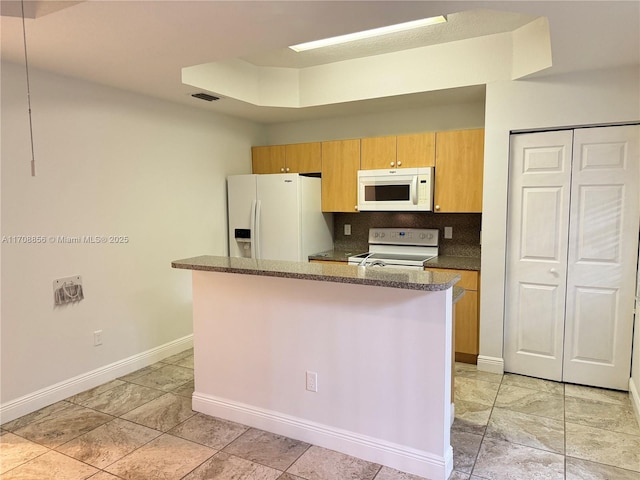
[(347, 229), (448, 232)]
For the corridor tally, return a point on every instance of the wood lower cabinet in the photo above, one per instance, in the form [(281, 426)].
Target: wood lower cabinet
[(340, 165), (293, 158), (459, 171), (467, 310)]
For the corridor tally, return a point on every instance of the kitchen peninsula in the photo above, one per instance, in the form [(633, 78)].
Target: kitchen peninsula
[(349, 358)]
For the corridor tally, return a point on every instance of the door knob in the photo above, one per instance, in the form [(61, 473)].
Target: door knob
[(553, 271)]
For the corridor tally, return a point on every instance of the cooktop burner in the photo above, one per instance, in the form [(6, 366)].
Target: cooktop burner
[(397, 247)]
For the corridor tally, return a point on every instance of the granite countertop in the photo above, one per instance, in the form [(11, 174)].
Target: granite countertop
[(329, 272), (441, 261), (455, 263), (334, 255)]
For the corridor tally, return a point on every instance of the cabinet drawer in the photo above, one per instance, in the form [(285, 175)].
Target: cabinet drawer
[(468, 278)]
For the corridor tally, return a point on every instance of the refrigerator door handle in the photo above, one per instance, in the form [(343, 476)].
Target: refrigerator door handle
[(253, 229), (257, 229)]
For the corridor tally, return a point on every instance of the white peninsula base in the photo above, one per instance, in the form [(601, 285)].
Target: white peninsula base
[(382, 357)]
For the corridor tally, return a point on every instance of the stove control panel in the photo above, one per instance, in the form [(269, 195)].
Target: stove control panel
[(404, 236)]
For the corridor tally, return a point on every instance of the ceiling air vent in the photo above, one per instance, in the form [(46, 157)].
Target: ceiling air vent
[(205, 96)]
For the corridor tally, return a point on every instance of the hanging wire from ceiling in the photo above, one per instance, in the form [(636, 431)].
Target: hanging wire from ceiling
[(26, 66)]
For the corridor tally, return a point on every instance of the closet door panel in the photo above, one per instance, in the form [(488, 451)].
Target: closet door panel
[(603, 247), (539, 181)]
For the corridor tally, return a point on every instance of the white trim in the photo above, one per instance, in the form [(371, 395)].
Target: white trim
[(396, 456), (54, 393), (490, 364), (634, 395)]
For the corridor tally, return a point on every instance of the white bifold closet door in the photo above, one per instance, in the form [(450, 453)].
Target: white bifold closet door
[(574, 215)]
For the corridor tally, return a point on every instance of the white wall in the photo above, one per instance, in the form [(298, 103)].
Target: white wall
[(424, 119), (583, 98), (108, 163)]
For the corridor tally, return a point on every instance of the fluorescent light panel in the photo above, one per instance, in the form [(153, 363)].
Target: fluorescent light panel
[(376, 32)]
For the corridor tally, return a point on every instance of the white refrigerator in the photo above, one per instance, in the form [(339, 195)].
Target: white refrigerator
[(277, 217)]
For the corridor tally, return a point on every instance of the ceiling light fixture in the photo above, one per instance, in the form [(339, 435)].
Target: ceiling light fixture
[(376, 32)]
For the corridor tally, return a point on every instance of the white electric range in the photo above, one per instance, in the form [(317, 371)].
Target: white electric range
[(398, 248)]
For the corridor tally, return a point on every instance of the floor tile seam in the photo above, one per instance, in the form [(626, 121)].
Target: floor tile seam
[(235, 455), (377, 471), (78, 460), (197, 466), (29, 461), (286, 470), (144, 445), (626, 406), (36, 419), (484, 435), (491, 437), (585, 423), (168, 432), (574, 422), (528, 413), (600, 463), (256, 462), (621, 404), (532, 389)]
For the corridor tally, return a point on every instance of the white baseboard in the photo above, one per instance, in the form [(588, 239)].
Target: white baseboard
[(34, 401), (490, 364), (396, 456), (634, 393)]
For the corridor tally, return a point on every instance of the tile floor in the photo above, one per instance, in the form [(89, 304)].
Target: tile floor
[(141, 427)]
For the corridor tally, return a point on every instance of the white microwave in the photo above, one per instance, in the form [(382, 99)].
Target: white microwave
[(400, 190)]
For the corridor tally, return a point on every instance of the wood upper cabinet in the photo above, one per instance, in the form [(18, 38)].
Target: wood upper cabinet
[(269, 159), (340, 165), (458, 172), (416, 150), (378, 153), (303, 158), (294, 158), (402, 151), (467, 314)]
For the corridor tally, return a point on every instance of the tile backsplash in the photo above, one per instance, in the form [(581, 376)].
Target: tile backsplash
[(465, 241)]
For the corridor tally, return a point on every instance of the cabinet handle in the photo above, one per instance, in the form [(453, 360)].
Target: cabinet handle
[(356, 208), (393, 164), (282, 169), (399, 163), (287, 170), (437, 207)]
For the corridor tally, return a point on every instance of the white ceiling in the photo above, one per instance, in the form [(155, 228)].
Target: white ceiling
[(141, 46)]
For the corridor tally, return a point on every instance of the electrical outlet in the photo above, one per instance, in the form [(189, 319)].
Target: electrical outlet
[(312, 381), (347, 229), (448, 232), (97, 338)]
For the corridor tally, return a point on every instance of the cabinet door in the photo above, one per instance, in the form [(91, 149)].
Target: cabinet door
[(303, 158), (378, 153), (340, 165), (459, 168), (268, 159), (466, 345), (467, 328), (416, 150)]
